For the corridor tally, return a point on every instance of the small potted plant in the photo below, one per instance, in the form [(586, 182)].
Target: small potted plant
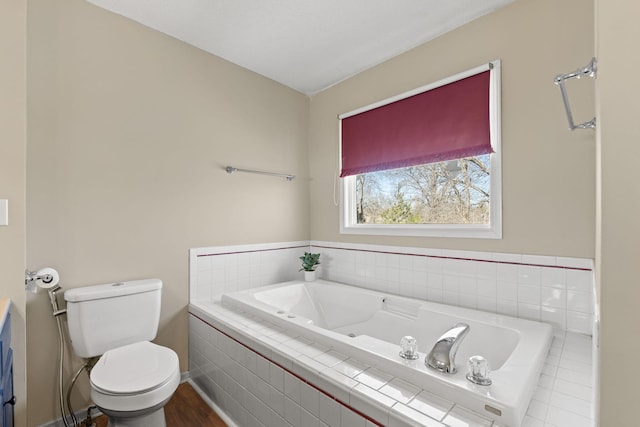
[(309, 264)]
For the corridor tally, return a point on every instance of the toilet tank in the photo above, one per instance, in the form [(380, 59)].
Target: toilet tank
[(103, 317)]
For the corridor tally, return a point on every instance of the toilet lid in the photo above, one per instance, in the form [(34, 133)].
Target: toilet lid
[(133, 369)]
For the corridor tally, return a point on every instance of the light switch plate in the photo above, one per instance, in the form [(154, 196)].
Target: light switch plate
[(4, 212)]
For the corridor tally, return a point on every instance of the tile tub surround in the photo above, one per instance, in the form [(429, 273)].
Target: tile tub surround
[(263, 375), (555, 290)]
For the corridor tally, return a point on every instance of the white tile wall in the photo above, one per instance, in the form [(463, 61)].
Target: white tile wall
[(559, 291), (233, 359), (219, 269)]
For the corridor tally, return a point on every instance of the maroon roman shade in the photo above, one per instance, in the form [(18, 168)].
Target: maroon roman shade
[(444, 123)]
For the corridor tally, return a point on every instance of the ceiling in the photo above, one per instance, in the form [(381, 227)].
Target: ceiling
[(308, 45)]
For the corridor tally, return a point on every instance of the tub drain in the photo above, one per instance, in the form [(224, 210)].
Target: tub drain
[(352, 335)]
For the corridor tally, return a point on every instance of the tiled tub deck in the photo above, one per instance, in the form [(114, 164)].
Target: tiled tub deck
[(263, 375)]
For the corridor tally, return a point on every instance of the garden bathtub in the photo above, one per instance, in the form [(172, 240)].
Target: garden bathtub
[(369, 325)]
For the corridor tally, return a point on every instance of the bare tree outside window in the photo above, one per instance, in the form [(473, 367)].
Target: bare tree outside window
[(450, 192)]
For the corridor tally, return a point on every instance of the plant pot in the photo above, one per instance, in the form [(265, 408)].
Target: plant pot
[(310, 276)]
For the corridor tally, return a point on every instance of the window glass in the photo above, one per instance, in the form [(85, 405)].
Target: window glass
[(451, 192)]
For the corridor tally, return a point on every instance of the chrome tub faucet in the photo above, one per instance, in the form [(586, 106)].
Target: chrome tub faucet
[(443, 354)]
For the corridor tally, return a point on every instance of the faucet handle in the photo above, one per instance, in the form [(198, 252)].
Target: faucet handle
[(478, 371), (409, 348)]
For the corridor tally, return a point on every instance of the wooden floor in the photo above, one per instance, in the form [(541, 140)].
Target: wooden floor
[(185, 409)]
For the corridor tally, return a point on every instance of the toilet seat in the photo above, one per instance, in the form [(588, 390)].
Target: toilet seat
[(135, 377), (134, 369)]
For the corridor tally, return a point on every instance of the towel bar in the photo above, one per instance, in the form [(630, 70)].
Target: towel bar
[(588, 70), (231, 169)]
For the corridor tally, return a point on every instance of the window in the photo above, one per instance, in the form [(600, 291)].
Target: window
[(427, 162)]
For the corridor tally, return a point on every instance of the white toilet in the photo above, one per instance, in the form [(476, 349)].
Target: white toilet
[(134, 378)]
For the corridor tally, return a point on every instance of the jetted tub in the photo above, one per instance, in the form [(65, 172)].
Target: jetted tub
[(369, 325)]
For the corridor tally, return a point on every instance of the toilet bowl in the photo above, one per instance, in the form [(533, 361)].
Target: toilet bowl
[(131, 384), (133, 378)]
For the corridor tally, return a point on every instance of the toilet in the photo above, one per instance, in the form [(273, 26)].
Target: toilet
[(133, 378)]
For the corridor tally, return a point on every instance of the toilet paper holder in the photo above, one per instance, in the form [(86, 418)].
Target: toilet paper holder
[(45, 278)]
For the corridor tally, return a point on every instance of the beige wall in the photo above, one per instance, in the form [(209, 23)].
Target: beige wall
[(618, 236), (128, 133), (13, 140), (128, 130), (548, 172)]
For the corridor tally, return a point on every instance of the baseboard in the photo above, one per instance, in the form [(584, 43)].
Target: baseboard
[(211, 403)]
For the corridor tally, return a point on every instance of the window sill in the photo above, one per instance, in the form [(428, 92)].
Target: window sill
[(456, 231)]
